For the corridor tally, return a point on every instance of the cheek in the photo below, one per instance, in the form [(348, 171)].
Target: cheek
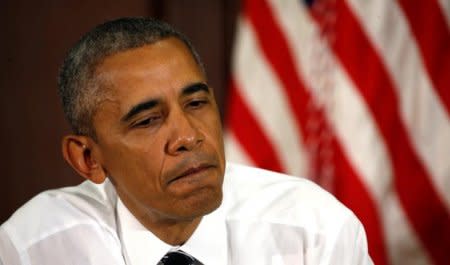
[(214, 135), (139, 177), (141, 147), (133, 164), (144, 160)]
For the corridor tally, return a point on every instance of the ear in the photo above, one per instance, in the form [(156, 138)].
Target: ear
[(77, 151)]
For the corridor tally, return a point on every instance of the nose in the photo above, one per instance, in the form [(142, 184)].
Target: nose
[(184, 136)]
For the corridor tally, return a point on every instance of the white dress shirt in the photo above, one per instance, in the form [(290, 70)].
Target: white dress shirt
[(265, 218)]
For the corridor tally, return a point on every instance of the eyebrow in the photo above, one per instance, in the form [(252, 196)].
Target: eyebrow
[(149, 104), (139, 108), (194, 88)]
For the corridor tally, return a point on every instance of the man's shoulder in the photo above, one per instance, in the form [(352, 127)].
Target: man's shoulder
[(289, 216), (279, 198), (53, 212)]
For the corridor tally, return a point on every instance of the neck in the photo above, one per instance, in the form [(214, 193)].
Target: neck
[(173, 231)]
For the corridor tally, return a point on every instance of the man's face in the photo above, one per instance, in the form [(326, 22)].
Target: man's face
[(159, 133)]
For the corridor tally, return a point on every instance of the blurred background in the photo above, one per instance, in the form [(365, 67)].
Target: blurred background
[(352, 94)]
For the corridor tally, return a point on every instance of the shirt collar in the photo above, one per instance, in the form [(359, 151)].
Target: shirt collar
[(208, 243)]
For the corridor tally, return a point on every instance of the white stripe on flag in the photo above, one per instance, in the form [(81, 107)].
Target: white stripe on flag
[(260, 88), (445, 8), (233, 151), (349, 113), (402, 243), (365, 149), (367, 152), (421, 110)]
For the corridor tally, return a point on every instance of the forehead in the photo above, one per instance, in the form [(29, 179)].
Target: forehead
[(153, 70)]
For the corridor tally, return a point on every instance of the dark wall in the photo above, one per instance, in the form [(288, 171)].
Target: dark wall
[(35, 37)]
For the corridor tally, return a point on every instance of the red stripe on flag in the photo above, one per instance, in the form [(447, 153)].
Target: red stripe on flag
[(249, 133), (422, 205), (349, 189), (429, 26), (275, 48)]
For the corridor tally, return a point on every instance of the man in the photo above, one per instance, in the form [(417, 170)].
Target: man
[(148, 139)]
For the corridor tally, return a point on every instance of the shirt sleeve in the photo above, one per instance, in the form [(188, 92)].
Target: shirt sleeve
[(80, 244), (351, 245), (8, 253)]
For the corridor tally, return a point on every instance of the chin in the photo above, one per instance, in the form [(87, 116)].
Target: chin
[(202, 203)]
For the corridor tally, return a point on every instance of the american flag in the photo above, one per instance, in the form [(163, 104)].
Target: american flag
[(354, 94)]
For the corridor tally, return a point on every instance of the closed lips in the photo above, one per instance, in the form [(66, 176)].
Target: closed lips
[(190, 171)]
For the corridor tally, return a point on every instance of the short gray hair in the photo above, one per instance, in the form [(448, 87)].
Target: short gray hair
[(78, 86)]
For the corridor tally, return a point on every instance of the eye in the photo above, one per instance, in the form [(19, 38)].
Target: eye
[(197, 103), (146, 122)]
